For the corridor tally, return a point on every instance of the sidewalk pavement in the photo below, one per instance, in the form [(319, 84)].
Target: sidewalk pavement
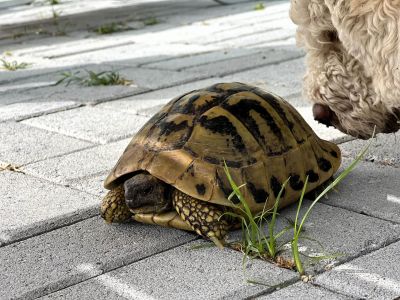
[(54, 245)]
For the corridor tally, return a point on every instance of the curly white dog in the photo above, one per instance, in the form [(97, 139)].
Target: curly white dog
[(353, 61)]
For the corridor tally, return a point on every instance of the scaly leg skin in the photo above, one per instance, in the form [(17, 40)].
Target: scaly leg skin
[(113, 208), (203, 217)]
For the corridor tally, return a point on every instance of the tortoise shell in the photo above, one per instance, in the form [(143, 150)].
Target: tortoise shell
[(260, 136)]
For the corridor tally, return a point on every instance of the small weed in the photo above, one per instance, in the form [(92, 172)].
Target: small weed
[(259, 6), (53, 2), (13, 65), (111, 28), (151, 21), (55, 14), (93, 79)]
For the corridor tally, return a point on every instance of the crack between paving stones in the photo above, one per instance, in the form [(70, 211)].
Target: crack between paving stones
[(361, 213), (336, 292), (273, 288), (54, 57), (118, 267), (56, 227), (254, 33)]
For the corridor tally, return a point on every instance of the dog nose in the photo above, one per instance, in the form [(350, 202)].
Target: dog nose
[(323, 114)]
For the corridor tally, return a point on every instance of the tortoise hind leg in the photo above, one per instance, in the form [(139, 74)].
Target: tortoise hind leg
[(113, 207), (203, 217)]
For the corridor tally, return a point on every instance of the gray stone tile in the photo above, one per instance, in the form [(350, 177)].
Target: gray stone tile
[(91, 124), (92, 185), (142, 80), (259, 57), (373, 276), (66, 256), (370, 189), (197, 59), (283, 78), (21, 144), (30, 206), (385, 149), (134, 54), (149, 103), (254, 39), (182, 273), (40, 72), (79, 165), (303, 291), (156, 79), (70, 93), (24, 110)]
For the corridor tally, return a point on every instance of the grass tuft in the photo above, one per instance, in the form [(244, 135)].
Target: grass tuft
[(111, 28), (13, 65), (93, 79), (151, 21), (254, 242), (259, 6)]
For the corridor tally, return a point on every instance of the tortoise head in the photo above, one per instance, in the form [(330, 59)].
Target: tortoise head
[(144, 193)]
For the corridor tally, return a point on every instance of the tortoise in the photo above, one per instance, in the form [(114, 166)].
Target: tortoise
[(172, 172)]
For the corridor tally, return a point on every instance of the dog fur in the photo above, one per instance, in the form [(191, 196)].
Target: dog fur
[(353, 61)]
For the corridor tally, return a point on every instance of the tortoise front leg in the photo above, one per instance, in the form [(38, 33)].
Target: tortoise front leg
[(203, 217), (113, 207)]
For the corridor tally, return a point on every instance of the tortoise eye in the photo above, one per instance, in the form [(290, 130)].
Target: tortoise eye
[(147, 190)]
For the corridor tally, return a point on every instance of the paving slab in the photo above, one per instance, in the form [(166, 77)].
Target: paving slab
[(75, 15), (58, 259), (92, 184), (261, 57), (72, 93), (371, 189), (385, 149), (283, 78), (182, 273), (373, 276), (31, 206), (257, 38), (128, 55), (24, 110), (37, 69), (79, 165), (197, 59), (303, 290), (141, 80), (91, 124), (22, 144), (149, 103)]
